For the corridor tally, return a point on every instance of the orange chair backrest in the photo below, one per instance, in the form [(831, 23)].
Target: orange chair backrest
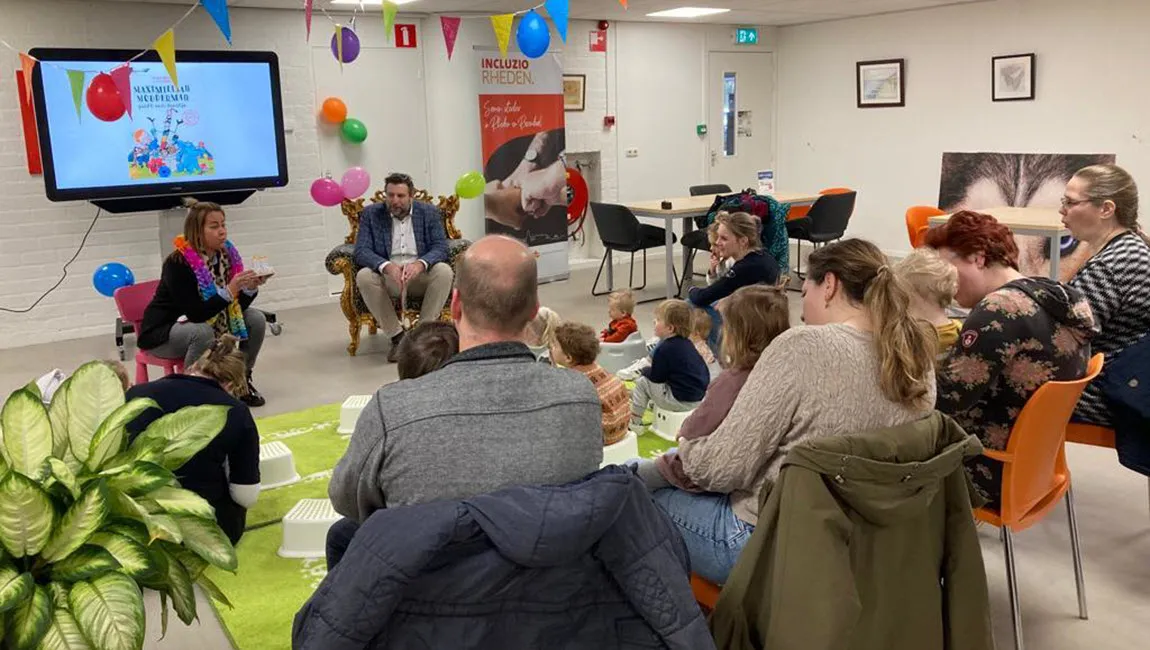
[(1037, 442), (918, 222)]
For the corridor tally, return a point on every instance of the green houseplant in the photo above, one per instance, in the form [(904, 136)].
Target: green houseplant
[(87, 520)]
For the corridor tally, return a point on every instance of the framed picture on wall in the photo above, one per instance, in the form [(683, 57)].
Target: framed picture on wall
[(1012, 77), (574, 92), (881, 83)]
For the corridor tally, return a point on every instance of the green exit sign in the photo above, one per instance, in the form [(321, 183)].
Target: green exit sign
[(747, 35)]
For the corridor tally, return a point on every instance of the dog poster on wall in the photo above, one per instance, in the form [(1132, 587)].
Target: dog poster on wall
[(983, 180)]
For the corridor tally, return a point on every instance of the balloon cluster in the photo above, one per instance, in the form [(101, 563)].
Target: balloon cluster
[(111, 276), (328, 193), (334, 111)]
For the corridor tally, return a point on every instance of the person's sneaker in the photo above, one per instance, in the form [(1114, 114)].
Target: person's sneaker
[(253, 397), (631, 372), (393, 353)]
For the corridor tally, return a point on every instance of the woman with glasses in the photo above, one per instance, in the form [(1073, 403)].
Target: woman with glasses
[(1100, 207)]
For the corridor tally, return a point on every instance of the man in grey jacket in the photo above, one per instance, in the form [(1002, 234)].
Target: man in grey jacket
[(490, 418)]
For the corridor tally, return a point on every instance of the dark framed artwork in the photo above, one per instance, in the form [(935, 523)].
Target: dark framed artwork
[(881, 84), (1012, 78), (574, 92)]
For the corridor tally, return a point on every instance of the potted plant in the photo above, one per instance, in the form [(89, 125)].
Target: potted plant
[(88, 520)]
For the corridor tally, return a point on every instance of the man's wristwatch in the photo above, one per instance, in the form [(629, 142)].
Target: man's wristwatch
[(531, 156)]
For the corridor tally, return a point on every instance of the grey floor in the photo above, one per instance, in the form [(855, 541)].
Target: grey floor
[(308, 366)]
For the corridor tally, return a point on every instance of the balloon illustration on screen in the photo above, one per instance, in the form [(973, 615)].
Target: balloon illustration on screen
[(168, 153)]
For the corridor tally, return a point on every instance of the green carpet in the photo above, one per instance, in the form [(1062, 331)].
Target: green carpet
[(267, 590)]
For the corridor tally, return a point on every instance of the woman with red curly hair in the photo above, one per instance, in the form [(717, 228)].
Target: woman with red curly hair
[(1021, 333)]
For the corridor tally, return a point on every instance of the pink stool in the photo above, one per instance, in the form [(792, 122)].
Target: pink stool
[(131, 301), (145, 359)]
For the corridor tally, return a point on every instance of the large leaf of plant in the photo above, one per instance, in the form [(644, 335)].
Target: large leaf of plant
[(26, 515), (83, 518), (140, 478), (109, 611), (214, 591), (130, 528), (27, 432), (63, 474), (183, 434), (29, 621), (89, 561), (192, 562), (110, 438), (130, 554), (59, 593), (94, 392), (181, 591), (58, 415), (159, 526), (14, 587), (64, 633), (204, 538), (177, 501)]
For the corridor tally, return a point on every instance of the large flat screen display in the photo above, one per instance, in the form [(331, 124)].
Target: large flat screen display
[(220, 129)]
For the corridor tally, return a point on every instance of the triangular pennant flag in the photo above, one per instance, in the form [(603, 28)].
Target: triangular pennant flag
[(122, 77), (307, 16), (389, 11), (76, 78), (558, 10), (502, 26), (165, 46), (28, 64), (450, 27), (218, 10), (339, 45)]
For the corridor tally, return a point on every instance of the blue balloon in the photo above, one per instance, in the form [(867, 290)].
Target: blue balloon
[(533, 35), (112, 276)]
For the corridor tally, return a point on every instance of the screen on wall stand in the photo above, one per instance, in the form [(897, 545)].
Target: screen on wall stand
[(220, 129)]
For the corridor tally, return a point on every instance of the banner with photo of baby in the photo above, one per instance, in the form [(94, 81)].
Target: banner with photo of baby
[(522, 132)]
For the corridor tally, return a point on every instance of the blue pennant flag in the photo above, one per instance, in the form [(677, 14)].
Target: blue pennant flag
[(218, 10), (558, 11)]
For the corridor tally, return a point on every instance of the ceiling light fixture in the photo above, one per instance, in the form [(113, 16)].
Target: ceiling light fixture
[(687, 12)]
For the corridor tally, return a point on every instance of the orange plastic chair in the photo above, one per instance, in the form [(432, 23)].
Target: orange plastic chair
[(1035, 477), (918, 222), (706, 593), (1092, 434), (800, 211)]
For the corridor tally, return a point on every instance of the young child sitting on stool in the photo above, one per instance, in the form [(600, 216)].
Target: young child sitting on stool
[(620, 306), (933, 282), (678, 377), (426, 349), (576, 347)]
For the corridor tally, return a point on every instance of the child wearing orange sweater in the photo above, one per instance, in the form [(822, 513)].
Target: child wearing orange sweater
[(620, 306)]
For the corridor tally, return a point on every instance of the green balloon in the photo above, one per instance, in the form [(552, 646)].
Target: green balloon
[(470, 185), (353, 130)]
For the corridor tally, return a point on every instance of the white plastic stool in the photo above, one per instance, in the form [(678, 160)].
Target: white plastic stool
[(277, 468), (349, 413), (614, 357), (666, 423), (305, 528), (621, 451)]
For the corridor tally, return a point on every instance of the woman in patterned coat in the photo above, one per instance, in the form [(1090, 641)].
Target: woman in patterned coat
[(1021, 333), (1100, 207)]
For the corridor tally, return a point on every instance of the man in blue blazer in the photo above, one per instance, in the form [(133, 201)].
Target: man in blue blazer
[(401, 244)]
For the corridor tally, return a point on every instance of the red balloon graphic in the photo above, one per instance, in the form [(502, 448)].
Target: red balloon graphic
[(104, 99)]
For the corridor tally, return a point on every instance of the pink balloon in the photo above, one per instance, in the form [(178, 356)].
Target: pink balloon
[(326, 192), (356, 181)]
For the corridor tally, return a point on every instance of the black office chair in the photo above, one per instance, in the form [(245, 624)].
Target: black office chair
[(826, 222), (620, 230), (696, 240)]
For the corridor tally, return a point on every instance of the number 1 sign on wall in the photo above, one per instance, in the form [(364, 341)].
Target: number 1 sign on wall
[(405, 35)]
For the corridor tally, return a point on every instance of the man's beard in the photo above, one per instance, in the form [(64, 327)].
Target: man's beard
[(399, 212)]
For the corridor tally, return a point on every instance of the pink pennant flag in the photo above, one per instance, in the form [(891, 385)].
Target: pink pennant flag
[(122, 77), (307, 16), (450, 27), (29, 64)]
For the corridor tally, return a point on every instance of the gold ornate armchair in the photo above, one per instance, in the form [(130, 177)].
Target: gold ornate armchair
[(341, 261)]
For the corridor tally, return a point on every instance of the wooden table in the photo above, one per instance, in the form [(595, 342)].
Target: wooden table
[(687, 208), (1043, 222)]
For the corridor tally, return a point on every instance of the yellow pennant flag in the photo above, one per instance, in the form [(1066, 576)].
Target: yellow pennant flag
[(165, 46), (502, 26), (339, 46), (389, 10)]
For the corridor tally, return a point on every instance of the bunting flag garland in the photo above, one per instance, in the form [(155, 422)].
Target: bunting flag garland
[(122, 77), (339, 45), (76, 78), (450, 27), (559, 11), (307, 16), (165, 46), (218, 10), (28, 64), (389, 11), (502, 26)]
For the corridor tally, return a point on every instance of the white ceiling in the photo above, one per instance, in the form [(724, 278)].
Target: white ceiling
[(759, 12)]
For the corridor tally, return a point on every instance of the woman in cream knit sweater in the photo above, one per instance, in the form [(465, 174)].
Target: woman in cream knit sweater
[(861, 362)]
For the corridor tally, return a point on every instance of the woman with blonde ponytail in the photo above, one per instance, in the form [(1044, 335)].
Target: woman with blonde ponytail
[(226, 473), (861, 362)]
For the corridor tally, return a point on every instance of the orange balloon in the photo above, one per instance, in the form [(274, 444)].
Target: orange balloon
[(334, 110)]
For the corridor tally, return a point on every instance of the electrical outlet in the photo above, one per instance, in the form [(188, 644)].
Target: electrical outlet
[(632, 153)]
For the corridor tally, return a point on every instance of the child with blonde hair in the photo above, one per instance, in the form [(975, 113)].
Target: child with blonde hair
[(677, 378), (934, 282), (620, 307), (701, 325), (540, 332)]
